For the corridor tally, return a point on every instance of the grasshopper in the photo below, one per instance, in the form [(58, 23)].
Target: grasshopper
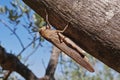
[(65, 44)]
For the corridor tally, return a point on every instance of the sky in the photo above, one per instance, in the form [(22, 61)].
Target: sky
[(11, 44)]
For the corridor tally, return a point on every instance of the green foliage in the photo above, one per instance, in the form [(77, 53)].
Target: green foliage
[(38, 20), (3, 9)]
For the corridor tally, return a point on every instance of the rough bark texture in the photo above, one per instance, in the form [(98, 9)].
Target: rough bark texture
[(95, 25), (12, 63)]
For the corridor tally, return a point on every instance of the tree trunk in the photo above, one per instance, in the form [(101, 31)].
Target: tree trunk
[(94, 26)]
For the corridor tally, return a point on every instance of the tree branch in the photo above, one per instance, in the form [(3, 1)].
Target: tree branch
[(49, 75), (10, 62), (95, 25)]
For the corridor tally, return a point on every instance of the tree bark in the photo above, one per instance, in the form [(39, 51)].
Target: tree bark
[(95, 25), (10, 62)]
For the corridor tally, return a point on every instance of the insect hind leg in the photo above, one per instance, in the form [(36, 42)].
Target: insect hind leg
[(62, 37)]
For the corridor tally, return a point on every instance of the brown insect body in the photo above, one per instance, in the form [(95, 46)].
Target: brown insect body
[(67, 46)]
